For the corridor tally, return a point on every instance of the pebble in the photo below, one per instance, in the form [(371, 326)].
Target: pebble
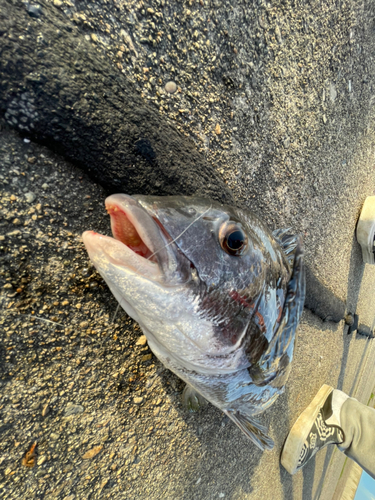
[(218, 129), (30, 197), (171, 87), (42, 459), (138, 400), (73, 409), (146, 357), (45, 186), (332, 92), (54, 436), (142, 340), (93, 452), (45, 410), (34, 10)]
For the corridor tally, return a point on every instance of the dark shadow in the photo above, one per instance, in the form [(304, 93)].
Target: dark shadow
[(366, 331), (327, 460), (328, 306), (286, 479), (308, 479), (356, 271), (358, 370), (321, 301), (220, 441)]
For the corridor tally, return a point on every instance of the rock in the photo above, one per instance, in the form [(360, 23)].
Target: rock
[(41, 460), (34, 10), (142, 340), (332, 92), (30, 197), (93, 452), (73, 409), (170, 87)]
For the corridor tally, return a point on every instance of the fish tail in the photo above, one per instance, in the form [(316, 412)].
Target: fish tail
[(253, 429)]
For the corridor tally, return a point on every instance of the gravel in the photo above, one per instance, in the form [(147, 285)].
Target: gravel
[(76, 377)]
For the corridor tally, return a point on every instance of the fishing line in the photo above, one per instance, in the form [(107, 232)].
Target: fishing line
[(184, 231), (113, 319)]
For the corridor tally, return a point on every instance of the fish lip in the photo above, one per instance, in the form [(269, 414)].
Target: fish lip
[(119, 252), (103, 249), (125, 204)]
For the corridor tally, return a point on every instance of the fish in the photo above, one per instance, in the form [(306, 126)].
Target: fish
[(216, 293)]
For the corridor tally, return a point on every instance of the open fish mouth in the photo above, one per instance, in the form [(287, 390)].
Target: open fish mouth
[(139, 242), (128, 229)]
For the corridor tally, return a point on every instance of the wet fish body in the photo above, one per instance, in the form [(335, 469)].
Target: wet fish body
[(217, 295)]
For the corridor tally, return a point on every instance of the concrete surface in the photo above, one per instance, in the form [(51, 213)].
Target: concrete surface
[(291, 87)]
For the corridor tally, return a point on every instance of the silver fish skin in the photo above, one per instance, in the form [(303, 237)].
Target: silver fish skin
[(217, 295)]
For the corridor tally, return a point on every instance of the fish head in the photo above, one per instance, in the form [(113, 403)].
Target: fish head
[(175, 258), (227, 247)]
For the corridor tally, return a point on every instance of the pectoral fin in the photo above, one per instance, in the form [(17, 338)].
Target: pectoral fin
[(274, 365), (287, 242), (253, 429), (191, 399)]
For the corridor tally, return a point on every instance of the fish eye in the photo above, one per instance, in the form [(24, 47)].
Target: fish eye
[(233, 239)]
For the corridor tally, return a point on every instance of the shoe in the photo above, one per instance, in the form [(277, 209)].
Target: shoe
[(311, 432), (366, 230)]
